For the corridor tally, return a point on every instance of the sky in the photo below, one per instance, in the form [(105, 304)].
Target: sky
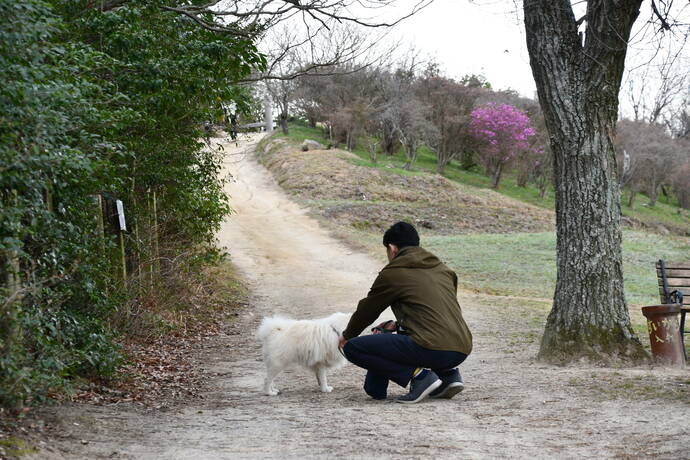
[(487, 37), (466, 37)]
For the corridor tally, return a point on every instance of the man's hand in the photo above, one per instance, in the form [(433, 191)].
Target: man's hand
[(386, 327), (341, 341)]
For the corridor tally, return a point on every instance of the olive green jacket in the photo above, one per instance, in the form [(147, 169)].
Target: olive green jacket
[(422, 292)]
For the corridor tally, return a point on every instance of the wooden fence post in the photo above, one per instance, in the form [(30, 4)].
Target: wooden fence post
[(121, 231), (156, 253)]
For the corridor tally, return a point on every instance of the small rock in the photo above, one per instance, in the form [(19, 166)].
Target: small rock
[(309, 144)]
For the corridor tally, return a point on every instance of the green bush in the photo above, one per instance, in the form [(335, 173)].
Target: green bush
[(99, 103)]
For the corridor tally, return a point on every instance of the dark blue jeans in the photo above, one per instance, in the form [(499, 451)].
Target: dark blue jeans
[(395, 357)]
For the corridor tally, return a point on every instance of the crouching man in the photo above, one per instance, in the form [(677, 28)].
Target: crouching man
[(432, 339)]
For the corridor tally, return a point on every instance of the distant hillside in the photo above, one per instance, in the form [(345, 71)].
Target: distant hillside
[(496, 243), (458, 202), (364, 197)]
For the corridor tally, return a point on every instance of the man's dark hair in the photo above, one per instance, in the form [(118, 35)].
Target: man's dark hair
[(401, 234)]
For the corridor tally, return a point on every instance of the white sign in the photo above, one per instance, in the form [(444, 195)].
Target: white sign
[(121, 215)]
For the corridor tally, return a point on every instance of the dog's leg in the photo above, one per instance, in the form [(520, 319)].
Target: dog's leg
[(320, 372), (272, 371)]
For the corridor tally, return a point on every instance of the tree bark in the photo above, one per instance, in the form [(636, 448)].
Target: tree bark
[(653, 189), (631, 199), (523, 176), (578, 87), (389, 140), (284, 123), (496, 177), (442, 160)]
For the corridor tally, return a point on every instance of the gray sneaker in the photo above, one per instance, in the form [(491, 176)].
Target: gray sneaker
[(451, 384), (420, 388)]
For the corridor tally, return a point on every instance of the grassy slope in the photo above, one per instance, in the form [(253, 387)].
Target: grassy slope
[(519, 264), (665, 212)]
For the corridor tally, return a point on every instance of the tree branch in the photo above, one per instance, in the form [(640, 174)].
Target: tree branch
[(664, 19)]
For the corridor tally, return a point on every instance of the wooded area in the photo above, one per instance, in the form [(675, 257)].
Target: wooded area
[(410, 104)]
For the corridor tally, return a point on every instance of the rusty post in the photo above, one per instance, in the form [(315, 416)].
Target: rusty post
[(664, 334)]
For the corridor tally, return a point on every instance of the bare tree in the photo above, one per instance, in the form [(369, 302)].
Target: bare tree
[(403, 112), (651, 157), (532, 163), (451, 105), (679, 179), (390, 82), (628, 157), (678, 121), (655, 154), (408, 117), (294, 55), (309, 96), (250, 18), (656, 89)]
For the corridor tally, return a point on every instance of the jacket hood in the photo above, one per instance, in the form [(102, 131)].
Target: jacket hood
[(414, 257)]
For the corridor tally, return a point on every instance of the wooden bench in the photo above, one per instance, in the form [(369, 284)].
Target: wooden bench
[(674, 287)]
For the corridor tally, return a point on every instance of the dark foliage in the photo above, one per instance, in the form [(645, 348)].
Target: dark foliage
[(108, 104)]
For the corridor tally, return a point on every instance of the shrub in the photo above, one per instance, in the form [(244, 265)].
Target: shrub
[(107, 104), (503, 132)]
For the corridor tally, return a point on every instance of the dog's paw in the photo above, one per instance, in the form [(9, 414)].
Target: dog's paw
[(327, 389), (271, 391)]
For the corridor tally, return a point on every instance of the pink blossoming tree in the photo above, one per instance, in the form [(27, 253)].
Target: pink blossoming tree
[(503, 133)]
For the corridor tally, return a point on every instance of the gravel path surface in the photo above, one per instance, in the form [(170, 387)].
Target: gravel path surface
[(511, 407)]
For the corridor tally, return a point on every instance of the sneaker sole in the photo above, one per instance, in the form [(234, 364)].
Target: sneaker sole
[(424, 394), (451, 390)]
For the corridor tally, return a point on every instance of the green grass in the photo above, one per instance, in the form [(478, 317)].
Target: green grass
[(524, 264), (299, 132), (665, 211)]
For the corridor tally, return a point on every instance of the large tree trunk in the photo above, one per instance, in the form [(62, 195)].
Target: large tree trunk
[(578, 90)]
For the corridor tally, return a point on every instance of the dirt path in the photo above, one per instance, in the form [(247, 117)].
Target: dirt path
[(512, 407)]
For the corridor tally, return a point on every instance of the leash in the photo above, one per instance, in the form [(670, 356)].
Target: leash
[(339, 334)]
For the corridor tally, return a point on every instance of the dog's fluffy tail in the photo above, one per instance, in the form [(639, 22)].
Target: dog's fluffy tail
[(268, 325)]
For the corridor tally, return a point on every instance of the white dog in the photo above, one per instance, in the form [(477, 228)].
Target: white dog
[(309, 343)]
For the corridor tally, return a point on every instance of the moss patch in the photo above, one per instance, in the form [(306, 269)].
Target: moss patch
[(14, 447), (645, 386)]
